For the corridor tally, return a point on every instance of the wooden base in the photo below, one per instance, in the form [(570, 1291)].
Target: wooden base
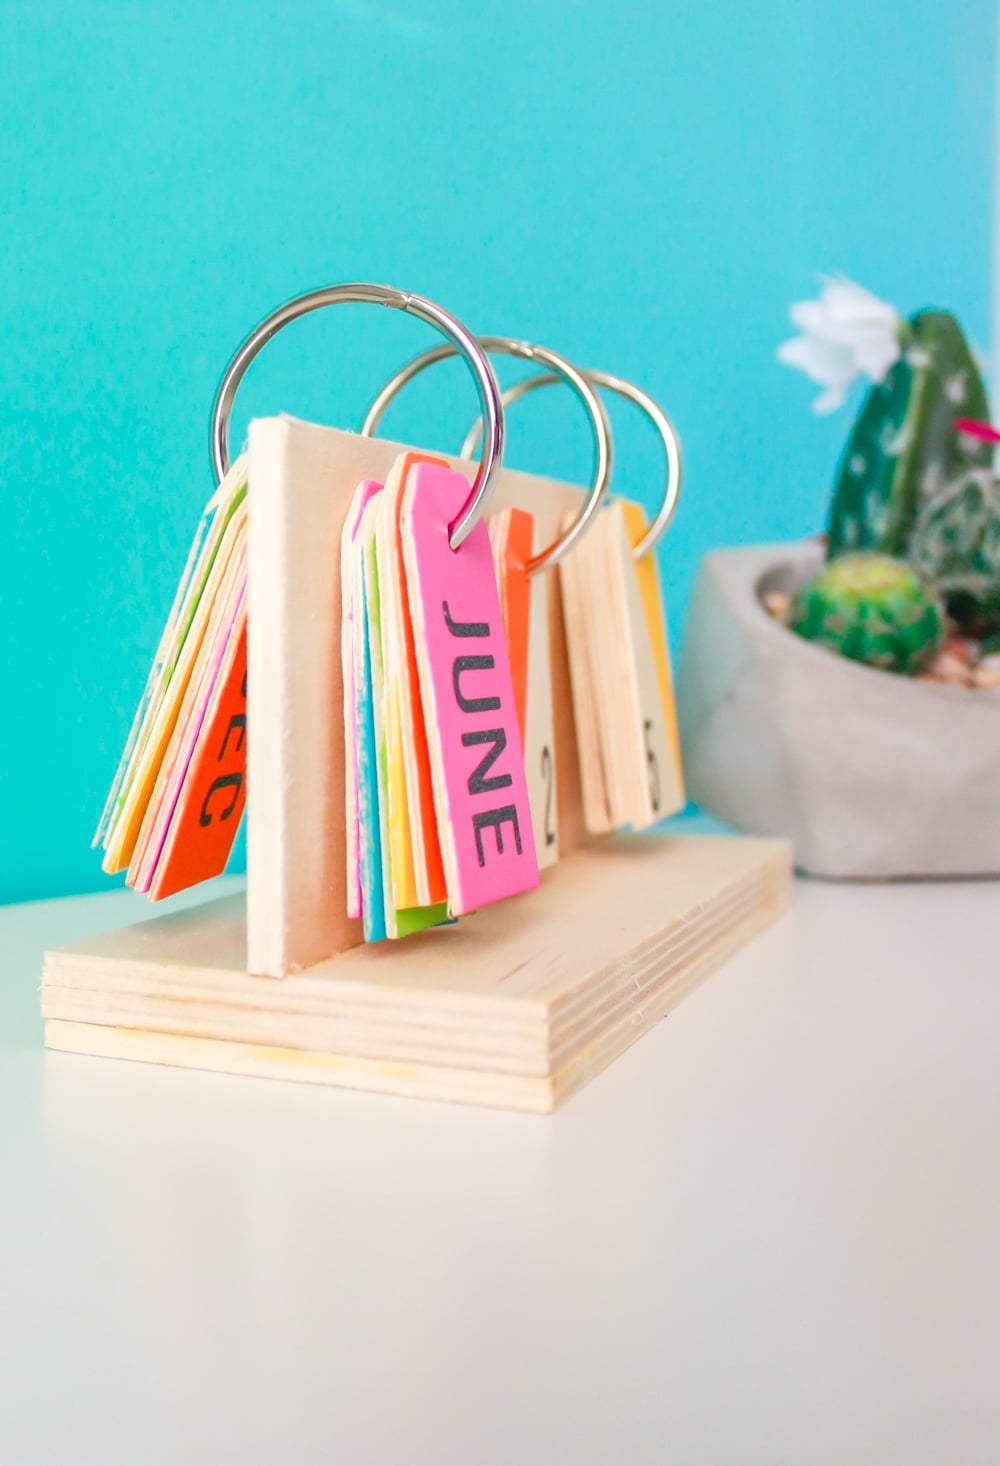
[(516, 1006)]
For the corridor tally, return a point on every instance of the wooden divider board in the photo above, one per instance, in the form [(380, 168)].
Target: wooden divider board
[(516, 1006)]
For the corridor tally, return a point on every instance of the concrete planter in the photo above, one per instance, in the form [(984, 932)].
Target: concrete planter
[(871, 775)]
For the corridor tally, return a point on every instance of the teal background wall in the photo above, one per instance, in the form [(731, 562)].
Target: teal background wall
[(644, 187)]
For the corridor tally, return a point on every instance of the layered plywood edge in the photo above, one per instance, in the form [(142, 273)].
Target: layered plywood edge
[(516, 1006)]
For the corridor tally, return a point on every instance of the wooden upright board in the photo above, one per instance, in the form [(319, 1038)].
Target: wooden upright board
[(302, 478), (515, 1006)]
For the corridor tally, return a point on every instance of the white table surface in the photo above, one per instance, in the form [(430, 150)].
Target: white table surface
[(770, 1233)]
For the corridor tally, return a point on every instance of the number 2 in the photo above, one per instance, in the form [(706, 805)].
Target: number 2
[(548, 772)]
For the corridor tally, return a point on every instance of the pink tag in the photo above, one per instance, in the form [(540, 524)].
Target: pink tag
[(477, 765)]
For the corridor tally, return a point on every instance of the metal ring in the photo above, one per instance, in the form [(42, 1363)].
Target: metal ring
[(464, 344), (559, 369), (641, 399)]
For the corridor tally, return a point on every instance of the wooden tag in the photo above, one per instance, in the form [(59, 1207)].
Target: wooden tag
[(621, 688), (643, 752), (648, 576), (581, 620), (467, 695)]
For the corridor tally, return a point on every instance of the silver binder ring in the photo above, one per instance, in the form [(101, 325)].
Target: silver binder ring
[(653, 410), (463, 343), (557, 368)]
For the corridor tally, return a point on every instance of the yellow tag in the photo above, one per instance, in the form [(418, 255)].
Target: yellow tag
[(648, 577)]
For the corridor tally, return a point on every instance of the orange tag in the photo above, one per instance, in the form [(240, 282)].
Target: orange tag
[(208, 811), (512, 534), (417, 847), (524, 602)]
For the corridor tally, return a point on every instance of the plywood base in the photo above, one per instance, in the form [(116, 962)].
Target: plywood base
[(516, 1006)]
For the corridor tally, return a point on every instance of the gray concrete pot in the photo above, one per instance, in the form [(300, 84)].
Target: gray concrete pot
[(872, 775)]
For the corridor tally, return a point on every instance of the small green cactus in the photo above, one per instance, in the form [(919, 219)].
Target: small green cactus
[(956, 545), (873, 609), (904, 445)]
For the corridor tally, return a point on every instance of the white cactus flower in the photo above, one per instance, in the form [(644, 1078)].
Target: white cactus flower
[(846, 334)]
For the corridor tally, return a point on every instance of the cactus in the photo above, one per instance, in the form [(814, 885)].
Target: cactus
[(904, 446), (956, 545), (873, 609)]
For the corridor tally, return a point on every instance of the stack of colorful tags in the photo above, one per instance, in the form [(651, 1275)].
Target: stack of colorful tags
[(438, 817), (623, 700), (178, 795), (448, 719)]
